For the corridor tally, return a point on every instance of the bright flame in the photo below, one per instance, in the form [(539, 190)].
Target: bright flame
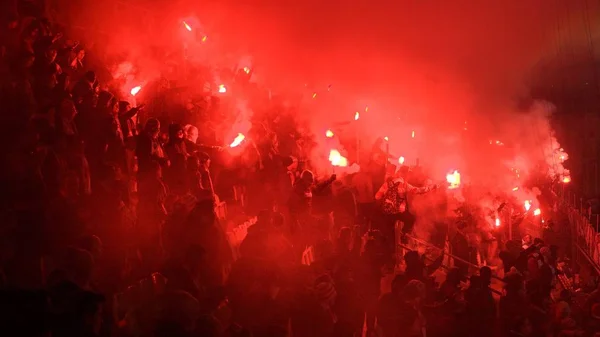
[(401, 160), (135, 90), (386, 138), (222, 88), (337, 159), (566, 180), (204, 38), (367, 108), (515, 189), (537, 212), (453, 179), (527, 205), (247, 70), (356, 116), (188, 27), (497, 222), (238, 140), (314, 95), (328, 133), (413, 134)]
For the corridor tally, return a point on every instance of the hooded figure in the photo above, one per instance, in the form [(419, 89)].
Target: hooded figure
[(148, 148), (177, 153)]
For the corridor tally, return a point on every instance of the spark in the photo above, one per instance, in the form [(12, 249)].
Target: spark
[(222, 88), (188, 27), (328, 133)]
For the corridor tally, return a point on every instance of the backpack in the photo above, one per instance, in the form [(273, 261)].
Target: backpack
[(391, 199)]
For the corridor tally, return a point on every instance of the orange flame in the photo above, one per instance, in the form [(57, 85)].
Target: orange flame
[(135, 90), (188, 27), (204, 38), (222, 88), (497, 222), (238, 140), (537, 212), (328, 133), (566, 180), (527, 205), (337, 159), (314, 95), (356, 116), (453, 179), (401, 160)]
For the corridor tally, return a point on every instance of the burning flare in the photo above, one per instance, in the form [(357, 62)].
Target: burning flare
[(537, 212), (515, 189), (453, 179), (135, 90), (222, 88), (497, 222), (328, 133), (356, 116), (247, 70), (566, 180), (413, 134), (188, 27), (238, 140), (337, 159), (386, 138), (204, 38), (401, 160), (527, 205)]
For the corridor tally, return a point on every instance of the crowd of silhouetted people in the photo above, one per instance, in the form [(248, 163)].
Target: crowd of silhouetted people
[(110, 227)]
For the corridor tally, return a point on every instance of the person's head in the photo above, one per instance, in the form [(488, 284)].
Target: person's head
[(191, 133), (414, 292), (92, 244), (345, 237), (290, 163), (265, 217), (325, 291), (152, 127), (175, 132), (79, 265), (527, 239), (50, 55), (486, 275), (403, 171), (124, 106), (308, 177), (90, 76)]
